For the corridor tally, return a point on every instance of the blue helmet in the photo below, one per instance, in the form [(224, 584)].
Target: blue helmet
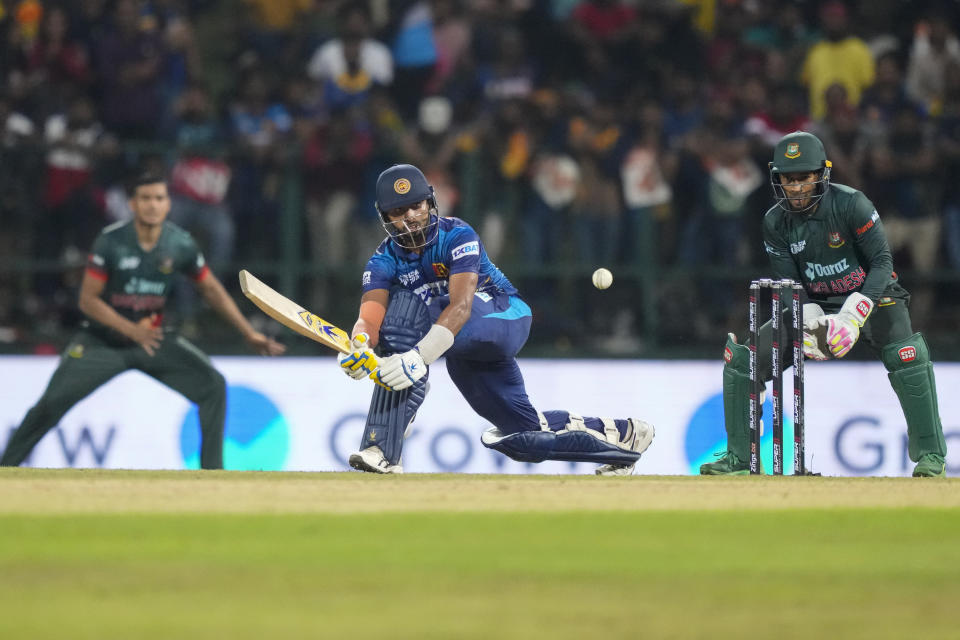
[(403, 185)]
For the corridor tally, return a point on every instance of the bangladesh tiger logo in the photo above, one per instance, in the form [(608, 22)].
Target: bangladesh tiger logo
[(835, 240), (793, 150)]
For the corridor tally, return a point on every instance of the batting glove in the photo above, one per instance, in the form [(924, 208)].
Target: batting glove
[(843, 327), (401, 370), (362, 361)]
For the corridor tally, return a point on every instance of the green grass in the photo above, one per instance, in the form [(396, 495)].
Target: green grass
[(872, 573)]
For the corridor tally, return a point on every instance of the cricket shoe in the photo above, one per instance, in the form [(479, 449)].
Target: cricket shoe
[(728, 464), (930, 465), (372, 460), (639, 436)]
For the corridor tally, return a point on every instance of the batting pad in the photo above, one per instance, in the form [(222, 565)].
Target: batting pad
[(570, 446), (406, 321)]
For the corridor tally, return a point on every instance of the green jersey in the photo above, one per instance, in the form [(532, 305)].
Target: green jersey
[(137, 281), (838, 249)]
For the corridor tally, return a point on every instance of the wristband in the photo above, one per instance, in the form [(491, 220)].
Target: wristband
[(435, 343)]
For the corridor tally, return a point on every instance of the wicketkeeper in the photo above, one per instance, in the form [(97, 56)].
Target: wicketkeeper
[(830, 238), (429, 291)]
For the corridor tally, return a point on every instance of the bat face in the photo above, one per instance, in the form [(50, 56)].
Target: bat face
[(323, 329), (293, 316)]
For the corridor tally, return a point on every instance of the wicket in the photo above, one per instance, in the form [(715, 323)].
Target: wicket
[(777, 289)]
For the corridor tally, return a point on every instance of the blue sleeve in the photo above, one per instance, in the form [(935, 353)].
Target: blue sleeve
[(380, 273), (463, 251)]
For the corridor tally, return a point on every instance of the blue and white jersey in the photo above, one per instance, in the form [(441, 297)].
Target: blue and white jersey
[(457, 249)]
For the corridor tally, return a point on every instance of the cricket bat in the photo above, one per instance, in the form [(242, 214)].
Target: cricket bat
[(293, 316)]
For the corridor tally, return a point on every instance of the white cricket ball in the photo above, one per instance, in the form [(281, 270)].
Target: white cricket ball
[(602, 278)]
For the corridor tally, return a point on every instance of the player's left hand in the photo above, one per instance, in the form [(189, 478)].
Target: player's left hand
[(265, 346), (400, 370), (843, 327)]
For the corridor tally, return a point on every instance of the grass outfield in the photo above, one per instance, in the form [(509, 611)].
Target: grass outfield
[(134, 554)]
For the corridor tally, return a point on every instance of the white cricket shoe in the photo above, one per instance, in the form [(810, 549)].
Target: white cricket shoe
[(371, 460), (639, 440)]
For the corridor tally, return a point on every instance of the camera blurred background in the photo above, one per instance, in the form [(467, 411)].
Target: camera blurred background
[(571, 134)]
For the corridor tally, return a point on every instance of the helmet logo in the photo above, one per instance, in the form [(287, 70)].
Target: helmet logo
[(793, 150), (401, 186)]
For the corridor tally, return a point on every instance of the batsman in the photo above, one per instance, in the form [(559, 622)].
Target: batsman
[(129, 275), (830, 238), (429, 291)]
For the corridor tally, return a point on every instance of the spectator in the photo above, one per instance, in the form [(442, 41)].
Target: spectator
[(200, 178), (903, 167), (129, 62), (58, 67), (73, 202), (348, 66), (414, 52), (259, 128), (948, 142), (934, 46), (838, 58), (882, 101)]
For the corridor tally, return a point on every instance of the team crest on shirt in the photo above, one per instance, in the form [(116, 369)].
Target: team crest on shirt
[(835, 240), (440, 270), (76, 351), (401, 186), (793, 150), (166, 265), (886, 301)]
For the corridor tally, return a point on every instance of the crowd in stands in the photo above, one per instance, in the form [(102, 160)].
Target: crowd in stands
[(570, 133)]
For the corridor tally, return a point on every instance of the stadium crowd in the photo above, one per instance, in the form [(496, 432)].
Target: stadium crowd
[(571, 133)]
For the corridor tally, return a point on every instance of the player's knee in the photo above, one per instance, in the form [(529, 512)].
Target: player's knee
[(406, 321), (906, 353), (736, 356)]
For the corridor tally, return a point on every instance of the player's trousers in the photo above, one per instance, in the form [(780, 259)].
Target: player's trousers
[(89, 361), (889, 323), (482, 361)]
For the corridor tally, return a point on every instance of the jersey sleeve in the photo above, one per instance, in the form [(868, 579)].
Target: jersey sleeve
[(871, 240), (778, 251), (463, 254), (98, 262), (194, 265), (380, 272)]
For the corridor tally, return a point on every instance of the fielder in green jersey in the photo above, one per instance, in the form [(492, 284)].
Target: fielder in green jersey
[(830, 238), (129, 274)]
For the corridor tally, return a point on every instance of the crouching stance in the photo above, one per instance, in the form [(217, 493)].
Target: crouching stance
[(430, 290), (830, 237)]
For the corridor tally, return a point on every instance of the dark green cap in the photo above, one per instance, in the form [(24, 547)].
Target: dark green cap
[(798, 152)]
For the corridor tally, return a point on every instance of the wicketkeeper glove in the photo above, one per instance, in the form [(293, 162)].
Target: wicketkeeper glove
[(843, 327), (362, 361), (814, 334)]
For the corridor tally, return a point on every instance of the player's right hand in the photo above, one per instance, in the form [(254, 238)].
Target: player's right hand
[(361, 361), (147, 334), (814, 333)]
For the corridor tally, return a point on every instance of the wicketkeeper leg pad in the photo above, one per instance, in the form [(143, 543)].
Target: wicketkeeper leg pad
[(911, 376), (573, 441), (391, 412), (736, 397)]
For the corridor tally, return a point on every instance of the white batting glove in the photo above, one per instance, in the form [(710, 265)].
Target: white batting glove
[(401, 370), (362, 361), (843, 327), (814, 336)]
